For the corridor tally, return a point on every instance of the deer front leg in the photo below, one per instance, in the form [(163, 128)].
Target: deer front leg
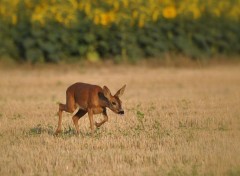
[(90, 115), (104, 120), (76, 117)]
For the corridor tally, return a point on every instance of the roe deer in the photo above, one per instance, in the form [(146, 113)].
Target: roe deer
[(92, 99)]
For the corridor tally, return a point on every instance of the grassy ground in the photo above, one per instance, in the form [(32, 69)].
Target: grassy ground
[(178, 122)]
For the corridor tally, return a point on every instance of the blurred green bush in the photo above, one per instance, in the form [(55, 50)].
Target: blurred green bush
[(54, 30)]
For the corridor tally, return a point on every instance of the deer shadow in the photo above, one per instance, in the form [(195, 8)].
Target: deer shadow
[(48, 129)]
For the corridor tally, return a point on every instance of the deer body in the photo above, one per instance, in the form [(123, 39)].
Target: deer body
[(86, 96), (92, 99)]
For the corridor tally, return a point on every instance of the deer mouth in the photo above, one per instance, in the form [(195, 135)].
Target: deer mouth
[(121, 112)]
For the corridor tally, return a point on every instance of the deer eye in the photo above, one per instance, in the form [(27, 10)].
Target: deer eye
[(114, 103)]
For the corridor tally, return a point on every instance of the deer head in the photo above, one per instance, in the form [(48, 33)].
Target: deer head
[(114, 102)]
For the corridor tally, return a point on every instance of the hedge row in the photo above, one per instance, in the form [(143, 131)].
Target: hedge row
[(196, 38)]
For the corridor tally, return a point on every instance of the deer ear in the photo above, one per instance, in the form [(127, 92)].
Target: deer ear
[(120, 91), (107, 92)]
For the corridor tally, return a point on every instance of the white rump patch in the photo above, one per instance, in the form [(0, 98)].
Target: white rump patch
[(76, 110)]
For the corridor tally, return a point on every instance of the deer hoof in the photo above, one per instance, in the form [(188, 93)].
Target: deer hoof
[(97, 124), (58, 131)]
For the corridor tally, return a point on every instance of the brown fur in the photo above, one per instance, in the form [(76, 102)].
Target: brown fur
[(91, 99)]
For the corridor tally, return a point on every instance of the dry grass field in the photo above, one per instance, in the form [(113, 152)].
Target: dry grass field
[(178, 121)]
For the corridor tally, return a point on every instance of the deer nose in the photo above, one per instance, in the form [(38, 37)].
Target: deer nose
[(121, 112)]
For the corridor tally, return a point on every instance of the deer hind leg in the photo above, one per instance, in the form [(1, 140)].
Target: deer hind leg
[(104, 120), (62, 107), (70, 103), (76, 117), (68, 107)]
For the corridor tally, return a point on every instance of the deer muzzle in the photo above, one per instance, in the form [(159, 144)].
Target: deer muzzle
[(121, 112)]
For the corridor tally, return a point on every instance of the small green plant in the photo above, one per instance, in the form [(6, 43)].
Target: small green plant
[(17, 116), (194, 170), (222, 127), (36, 130), (140, 118), (151, 108), (59, 83), (98, 133), (39, 129), (69, 131), (182, 124), (184, 104), (176, 171), (233, 172)]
